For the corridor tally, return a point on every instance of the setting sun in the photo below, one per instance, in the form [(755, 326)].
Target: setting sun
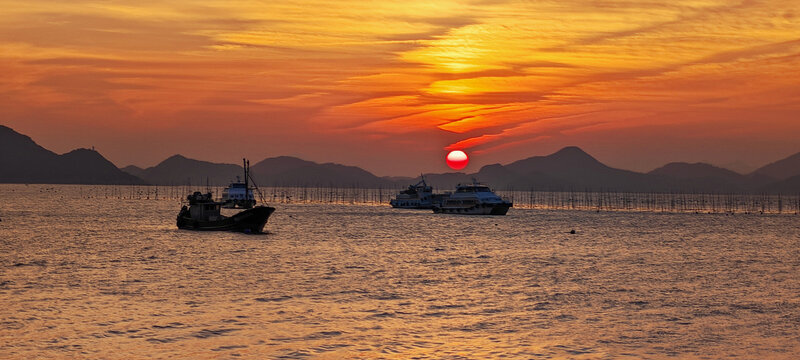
[(457, 159), (596, 153)]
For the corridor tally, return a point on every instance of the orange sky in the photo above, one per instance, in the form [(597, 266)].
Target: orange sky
[(389, 86)]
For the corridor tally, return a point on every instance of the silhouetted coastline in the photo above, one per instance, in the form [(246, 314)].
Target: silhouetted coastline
[(567, 170)]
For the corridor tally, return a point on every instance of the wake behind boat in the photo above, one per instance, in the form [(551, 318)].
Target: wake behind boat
[(473, 199)]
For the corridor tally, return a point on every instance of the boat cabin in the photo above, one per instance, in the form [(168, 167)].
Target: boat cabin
[(472, 188), (237, 191), (203, 208)]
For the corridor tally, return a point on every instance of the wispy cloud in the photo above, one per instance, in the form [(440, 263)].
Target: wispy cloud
[(486, 76)]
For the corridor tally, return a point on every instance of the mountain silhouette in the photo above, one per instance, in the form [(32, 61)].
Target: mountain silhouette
[(682, 170), (781, 169), (24, 161), (277, 171), (569, 169), (702, 177), (291, 171), (179, 170), (572, 169), (780, 177), (790, 186), (134, 170)]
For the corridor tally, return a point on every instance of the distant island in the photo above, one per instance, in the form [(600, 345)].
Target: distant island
[(569, 169), (24, 161)]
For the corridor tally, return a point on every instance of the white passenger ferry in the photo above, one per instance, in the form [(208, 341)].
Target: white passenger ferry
[(239, 194), (417, 196), (473, 199)]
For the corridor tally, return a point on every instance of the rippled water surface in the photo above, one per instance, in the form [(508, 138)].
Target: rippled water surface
[(105, 278)]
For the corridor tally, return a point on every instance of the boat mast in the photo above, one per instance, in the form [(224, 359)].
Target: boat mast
[(247, 178), (246, 166)]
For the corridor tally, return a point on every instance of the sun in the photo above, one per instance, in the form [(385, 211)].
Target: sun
[(457, 159)]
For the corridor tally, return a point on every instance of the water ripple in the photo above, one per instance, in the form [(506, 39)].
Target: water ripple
[(116, 280)]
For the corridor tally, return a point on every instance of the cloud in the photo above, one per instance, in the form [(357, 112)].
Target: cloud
[(491, 76)]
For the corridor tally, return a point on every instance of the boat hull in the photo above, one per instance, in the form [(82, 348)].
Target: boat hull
[(409, 205), (248, 221), (417, 203), (479, 209)]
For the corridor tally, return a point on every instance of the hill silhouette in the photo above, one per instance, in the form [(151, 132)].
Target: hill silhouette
[(573, 169), (133, 170), (277, 171), (24, 161), (682, 170), (781, 169), (786, 186), (179, 170), (569, 169), (702, 177), (780, 177), (292, 171)]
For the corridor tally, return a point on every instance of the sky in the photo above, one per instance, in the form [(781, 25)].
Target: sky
[(391, 86)]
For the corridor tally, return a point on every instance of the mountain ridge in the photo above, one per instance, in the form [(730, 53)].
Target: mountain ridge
[(180, 170), (569, 169), (782, 169), (22, 160)]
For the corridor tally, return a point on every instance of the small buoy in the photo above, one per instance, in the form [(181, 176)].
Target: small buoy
[(572, 231)]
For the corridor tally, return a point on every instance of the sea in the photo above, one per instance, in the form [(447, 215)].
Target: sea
[(90, 276)]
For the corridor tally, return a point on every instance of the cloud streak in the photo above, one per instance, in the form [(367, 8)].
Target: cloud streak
[(501, 79)]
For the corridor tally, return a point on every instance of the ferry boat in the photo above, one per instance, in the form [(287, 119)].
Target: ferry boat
[(473, 199), (203, 213), (239, 194), (417, 196)]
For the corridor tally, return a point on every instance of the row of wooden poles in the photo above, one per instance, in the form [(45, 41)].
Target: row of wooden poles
[(658, 202), (532, 199)]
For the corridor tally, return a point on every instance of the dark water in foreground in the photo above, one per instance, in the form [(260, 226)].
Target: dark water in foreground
[(96, 278)]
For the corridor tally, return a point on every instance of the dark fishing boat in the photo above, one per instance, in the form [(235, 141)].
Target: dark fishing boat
[(203, 213)]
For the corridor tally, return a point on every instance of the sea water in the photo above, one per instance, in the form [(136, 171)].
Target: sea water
[(84, 276)]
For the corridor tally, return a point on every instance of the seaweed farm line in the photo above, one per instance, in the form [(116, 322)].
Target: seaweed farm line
[(732, 203)]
